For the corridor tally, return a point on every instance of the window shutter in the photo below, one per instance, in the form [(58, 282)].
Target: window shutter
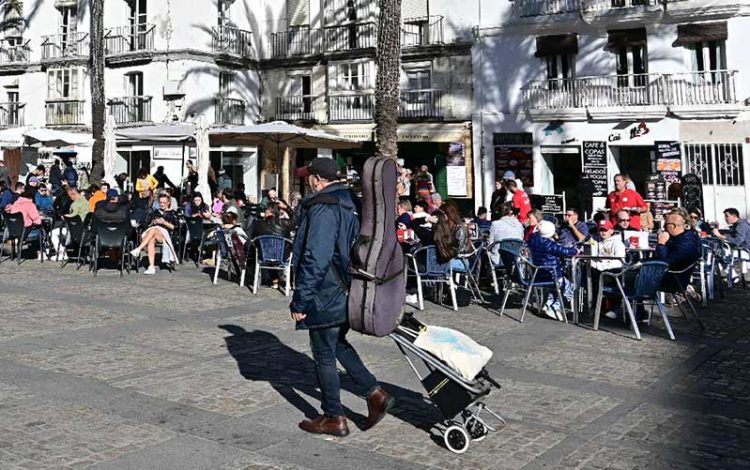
[(73, 84), (701, 32), (51, 85), (413, 9), (298, 12), (626, 38)]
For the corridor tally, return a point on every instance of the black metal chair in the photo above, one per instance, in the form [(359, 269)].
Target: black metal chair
[(77, 238), (195, 235), (112, 236), (17, 234)]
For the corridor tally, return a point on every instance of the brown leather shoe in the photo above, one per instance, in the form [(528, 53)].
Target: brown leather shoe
[(333, 425), (378, 404)]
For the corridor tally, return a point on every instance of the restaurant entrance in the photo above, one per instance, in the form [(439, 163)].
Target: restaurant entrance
[(637, 163), (566, 176)]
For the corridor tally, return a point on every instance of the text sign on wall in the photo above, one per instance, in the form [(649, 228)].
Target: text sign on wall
[(548, 203), (668, 160), (595, 179), (594, 154)]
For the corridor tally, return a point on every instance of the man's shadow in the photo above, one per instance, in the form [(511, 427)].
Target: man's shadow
[(261, 356)]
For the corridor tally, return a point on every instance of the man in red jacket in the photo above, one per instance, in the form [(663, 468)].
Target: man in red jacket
[(623, 198), (520, 200)]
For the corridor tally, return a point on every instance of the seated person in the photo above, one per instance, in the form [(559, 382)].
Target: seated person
[(507, 226), (610, 246), (78, 207), (482, 221), (161, 224), (573, 230), (546, 252), (197, 208), (5, 195), (98, 194), (111, 210), (403, 214), (680, 247), (43, 199), (696, 219), (422, 223), (25, 206), (272, 222)]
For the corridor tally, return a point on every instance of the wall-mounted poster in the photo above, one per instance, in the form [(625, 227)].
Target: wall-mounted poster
[(668, 160), (456, 169), (519, 160)]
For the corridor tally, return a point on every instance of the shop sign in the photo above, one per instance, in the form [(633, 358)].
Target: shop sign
[(594, 179), (168, 152), (519, 160), (639, 130), (656, 188), (548, 203), (594, 153), (668, 160), (456, 169)]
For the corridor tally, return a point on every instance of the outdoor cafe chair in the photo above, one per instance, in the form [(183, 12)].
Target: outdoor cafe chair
[(469, 265), (273, 253), (112, 236), (18, 235), (673, 286), (644, 289), (195, 235), (230, 254), (708, 267), (513, 245), (424, 264), (79, 236), (523, 279)]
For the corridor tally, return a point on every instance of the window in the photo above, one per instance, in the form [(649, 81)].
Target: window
[(223, 12), (719, 164), (62, 84), (707, 56), (631, 66), (226, 84), (300, 94), (352, 76), (419, 79), (298, 12), (68, 22), (134, 84)]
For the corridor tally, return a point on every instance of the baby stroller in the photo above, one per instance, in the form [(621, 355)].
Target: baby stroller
[(456, 397)]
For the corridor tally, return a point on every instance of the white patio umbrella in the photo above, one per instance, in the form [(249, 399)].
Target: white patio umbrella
[(282, 134), (203, 158), (110, 151)]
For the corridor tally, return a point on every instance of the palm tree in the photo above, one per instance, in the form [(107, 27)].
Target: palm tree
[(388, 79), (96, 68)]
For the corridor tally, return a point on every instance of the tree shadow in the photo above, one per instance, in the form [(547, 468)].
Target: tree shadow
[(261, 356)]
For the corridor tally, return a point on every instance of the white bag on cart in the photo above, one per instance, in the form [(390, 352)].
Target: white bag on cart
[(463, 354)]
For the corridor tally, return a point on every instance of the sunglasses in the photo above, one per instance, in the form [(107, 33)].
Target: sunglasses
[(694, 217), (623, 220)]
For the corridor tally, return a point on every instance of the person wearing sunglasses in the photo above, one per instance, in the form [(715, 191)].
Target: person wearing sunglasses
[(43, 199), (623, 198)]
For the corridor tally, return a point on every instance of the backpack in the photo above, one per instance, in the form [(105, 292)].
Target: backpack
[(378, 286)]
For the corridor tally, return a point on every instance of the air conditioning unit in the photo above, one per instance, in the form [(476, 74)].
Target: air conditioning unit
[(173, 89)]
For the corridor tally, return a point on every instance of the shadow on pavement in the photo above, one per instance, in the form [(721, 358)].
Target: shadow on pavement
[(261, 356)]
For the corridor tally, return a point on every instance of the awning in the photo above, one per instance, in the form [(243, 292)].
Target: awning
[(158, 133), (561, 44), (626, 38), (55, 138), (700, 32), (12, 138)]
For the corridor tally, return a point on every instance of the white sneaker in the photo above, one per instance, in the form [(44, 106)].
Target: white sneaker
[(611, 315), (412, 299), (135, 252), (150, 271), (547, 310), (558, 313), (695, 297)]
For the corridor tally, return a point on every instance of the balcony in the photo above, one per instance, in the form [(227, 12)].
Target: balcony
[(421, 104), (13, 58), (296, 108), (353, 107), (306, 41), (231, 41), (65, 112), (131, 109), (11, 114), (129, 41), (65, 46), (646, 95), (229, 111), (532, 8), (422, 31)]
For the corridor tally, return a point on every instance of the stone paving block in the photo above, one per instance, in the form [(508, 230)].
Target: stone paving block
[(725, 376), (185, 339), (50, 436), (599, 455), (98, 360)]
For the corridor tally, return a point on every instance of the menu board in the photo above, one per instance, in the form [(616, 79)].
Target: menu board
[(548, 203), (456, 169), (519, 160), (594, 153), (668, 160), (656, 189), (595, 180)]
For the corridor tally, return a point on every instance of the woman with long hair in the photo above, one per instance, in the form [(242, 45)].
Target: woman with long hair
[(197, 207), (442, 236), (458, 227)]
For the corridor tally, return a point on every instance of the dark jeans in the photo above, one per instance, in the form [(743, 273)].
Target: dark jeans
[(329, 344)]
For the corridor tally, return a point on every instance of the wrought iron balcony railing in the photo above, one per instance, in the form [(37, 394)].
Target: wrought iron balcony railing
[(65, 112), (130, 38), (229, 111), (422, 31), (61, 46), (419, 104), (231, 40), (527, 8), (351, 107), (306, 41), (131, 109), (12, 114), (295, 108)]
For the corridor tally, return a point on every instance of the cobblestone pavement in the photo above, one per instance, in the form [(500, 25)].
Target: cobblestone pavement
[(171, 372)]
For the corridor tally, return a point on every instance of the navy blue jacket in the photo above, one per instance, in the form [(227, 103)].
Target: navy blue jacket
[(71, 176), (680, 252), (328, 227), (547, 252), (566, 236)]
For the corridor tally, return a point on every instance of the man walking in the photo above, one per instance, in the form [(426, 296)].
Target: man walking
[(328, 226)]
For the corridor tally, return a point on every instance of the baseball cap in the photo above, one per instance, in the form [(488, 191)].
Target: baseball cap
[(546, 229), (112, 193), (325, 168), (606, 225), (232, 210), (509, 175)]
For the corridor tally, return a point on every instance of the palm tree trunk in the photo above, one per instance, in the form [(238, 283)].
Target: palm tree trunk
[(98, 109), (388, 79)]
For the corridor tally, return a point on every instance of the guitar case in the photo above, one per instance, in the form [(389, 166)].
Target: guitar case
[(378, 286)]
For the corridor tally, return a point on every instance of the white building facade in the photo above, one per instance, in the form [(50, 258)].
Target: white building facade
[(569, 93), (165, 63)]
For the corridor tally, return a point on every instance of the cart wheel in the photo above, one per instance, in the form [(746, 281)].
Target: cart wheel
[(477, 430), (456, 439)]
